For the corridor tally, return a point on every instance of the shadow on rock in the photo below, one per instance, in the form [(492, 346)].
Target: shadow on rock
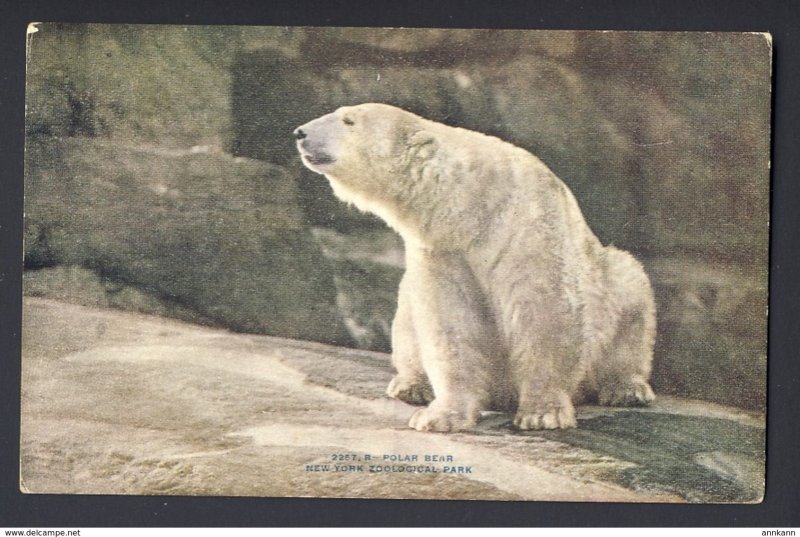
[(698, 458)]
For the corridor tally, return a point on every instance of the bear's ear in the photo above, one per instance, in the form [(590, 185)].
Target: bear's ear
[(420, 138), (422, 145)]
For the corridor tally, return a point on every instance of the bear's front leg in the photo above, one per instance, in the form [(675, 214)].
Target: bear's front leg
[(410, 384), (456, 340)]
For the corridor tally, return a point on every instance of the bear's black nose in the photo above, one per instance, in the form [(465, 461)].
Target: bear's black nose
[(299, 134)]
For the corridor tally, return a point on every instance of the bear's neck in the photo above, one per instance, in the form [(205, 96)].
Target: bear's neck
[(397, 215)]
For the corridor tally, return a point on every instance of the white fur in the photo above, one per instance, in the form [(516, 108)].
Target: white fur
[(509, 301)]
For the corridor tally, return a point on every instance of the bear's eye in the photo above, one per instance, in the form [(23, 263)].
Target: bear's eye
[(348, 121)]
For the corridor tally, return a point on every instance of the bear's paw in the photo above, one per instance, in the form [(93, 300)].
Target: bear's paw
[(554, 413), (635, 392), (440, 418), (417, 392)]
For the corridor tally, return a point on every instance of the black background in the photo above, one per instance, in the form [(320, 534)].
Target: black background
[(780, 507)]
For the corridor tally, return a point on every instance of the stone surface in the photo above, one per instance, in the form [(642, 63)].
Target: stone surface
[(122, 403), (220, 236)]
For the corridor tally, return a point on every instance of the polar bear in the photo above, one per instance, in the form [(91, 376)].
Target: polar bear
[(508, 300)]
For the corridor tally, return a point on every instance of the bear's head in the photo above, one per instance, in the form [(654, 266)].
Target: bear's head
[(374, 156), (362, 146)]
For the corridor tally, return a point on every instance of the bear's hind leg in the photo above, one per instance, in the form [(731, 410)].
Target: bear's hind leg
[(545, 359), (410, 384), (622, 378), (456, 341)]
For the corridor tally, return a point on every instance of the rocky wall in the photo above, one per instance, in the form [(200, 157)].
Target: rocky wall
[(217, 235)]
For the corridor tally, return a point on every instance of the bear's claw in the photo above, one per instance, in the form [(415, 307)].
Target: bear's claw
[(634, 393), (556, 418)]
